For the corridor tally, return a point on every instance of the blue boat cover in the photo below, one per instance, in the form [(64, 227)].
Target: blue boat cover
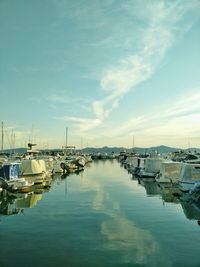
[(9, 171)]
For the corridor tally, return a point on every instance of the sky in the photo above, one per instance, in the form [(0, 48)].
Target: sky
[(106, 72)]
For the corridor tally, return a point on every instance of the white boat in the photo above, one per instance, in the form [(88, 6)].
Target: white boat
[(68, 166), (80, 161), (189, 176), (56, 165), (88, 158), (131, 163), (73, 163), (152, 168), (169, 172), (140, 166), (9, 172), (32, 167)]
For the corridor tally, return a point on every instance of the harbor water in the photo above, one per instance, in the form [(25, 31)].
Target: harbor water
[(99, 217)]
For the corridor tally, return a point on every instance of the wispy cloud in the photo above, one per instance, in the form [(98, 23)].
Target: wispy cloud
[(187, 105), (177, 119), (161, 33), (163, 26), (62, 98), (31, 69), (83, 124)]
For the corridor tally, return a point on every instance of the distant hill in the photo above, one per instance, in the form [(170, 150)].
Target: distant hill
[(92, 150), (20, 150), (160, 149), (105, 149)]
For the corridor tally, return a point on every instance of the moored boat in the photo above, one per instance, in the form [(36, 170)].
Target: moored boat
[(9, 172), (152, 168), (169, 172), (189, 176)]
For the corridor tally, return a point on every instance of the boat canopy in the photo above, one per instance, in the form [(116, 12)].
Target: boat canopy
[(190, 172), (171, 169), (153, 164), (32, 166), (132, 161)]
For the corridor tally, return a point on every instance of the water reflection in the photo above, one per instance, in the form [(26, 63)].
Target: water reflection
[(170, 193), (29, 201), (191, 206), (8, 205), (151, 186), (105, 220), (121, 235), (41, 179), (133, 243), (15, 202)]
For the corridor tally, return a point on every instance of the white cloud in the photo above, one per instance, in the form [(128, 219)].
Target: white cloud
[(128, 74), (176, 120), (187, 105), (158, 25), (62, 98), (83, 124)]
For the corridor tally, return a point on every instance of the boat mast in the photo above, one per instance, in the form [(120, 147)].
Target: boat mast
[(133, 150), (12, 146), (2, 136), (14, 143), (81, 144), (66, 137)]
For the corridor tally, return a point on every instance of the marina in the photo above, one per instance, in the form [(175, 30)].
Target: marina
[(99, 133), (102, 216)]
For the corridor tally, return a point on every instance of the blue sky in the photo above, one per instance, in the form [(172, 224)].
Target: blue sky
[(111, 71)]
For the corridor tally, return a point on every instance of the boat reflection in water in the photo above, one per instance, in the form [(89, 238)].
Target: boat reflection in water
[(190, 203), (8, 205), (15, 202), (29, 201), (150, 185), (100, 218), (170, 193)]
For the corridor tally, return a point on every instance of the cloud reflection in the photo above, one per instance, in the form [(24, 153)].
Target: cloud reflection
[(132, 243)]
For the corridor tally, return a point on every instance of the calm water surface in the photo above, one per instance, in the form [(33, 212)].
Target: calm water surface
[(101, 217)]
